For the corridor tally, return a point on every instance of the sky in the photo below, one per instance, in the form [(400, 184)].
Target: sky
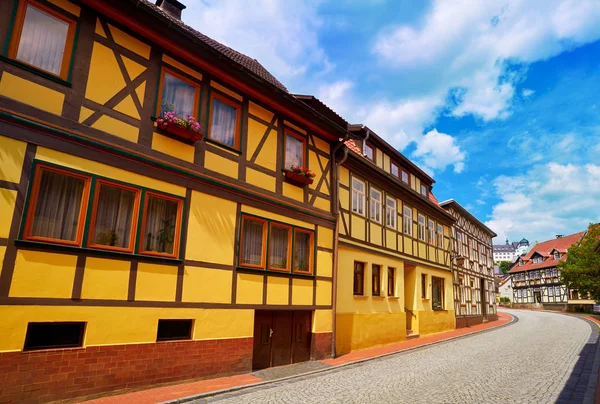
[(498, 100)]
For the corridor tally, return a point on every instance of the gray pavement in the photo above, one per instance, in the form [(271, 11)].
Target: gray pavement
[(535, 360)]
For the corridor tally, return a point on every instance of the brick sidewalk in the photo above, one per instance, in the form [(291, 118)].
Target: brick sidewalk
[(177, 391)]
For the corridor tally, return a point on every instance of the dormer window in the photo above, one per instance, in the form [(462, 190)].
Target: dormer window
[(405, 177), (556, 255), (394, 169), (423, 190), (368, 151), (521, 262)]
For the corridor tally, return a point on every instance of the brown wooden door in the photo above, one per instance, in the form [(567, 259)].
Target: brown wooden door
[(263, 326), (282, 338), (301, 337)]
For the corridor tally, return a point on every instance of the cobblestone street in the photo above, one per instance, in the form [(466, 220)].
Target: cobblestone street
[(535, 360)]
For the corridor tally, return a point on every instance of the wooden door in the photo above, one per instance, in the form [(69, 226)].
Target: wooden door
[(483, 296), (263, 329), (301, 336), (282, 338)]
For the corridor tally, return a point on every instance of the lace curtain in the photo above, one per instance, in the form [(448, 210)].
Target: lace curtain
[(114, 216), (294, 149), (161, 221), (278, 247), (223, 123), (252, 242), (58, 206), (177, 96), (43, 39)]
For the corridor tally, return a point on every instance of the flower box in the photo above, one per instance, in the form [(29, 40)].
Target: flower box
[(298, 178), (182, 133)]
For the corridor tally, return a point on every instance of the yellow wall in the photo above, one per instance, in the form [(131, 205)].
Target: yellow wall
[(31, 93), (207, 285), (105, 279), (12, 153), (121, 325), (41, 274), (356, 331)]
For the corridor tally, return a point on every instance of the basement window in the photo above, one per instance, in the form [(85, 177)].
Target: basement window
[(54, 335), (172, 330)]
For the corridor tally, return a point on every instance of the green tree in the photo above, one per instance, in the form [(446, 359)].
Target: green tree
[(505, 266), (581, 270)]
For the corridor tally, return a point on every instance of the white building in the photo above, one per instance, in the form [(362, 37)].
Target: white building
[(510, 251), (505, 288)]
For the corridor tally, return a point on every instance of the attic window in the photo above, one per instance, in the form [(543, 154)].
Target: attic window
[(520, 263), (368, 152), (423, 190), (538, 259), (556, 255)]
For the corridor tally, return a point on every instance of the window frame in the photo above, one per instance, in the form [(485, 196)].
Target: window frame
[(265, 240), (431, 232), (178, 225), (373, 150), (164, 69), (392, 166), (424, 187), (293, 134), (391, 212), (311, 251), (407, 218), (172, 320), (442, 293), (421, 228), (234, 104), (361, 292), (440, 236), (375, 202), (424, 287), (17, 31), (82, 325), (134, 219), (289, 248), (391, 287), (32, 200), (407, 177), (363, 194), (376, 280)]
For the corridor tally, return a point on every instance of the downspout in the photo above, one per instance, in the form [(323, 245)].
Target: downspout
[(336, 238)]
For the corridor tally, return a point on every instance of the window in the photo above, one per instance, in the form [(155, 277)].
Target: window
[(161, 225), (440, 236), (391, 284), (368, 151), (115, 215), (376, 279), (437, 293), (54, 335), (390, 212), (178, 94), (407, 221), (43, 38), (295, 147), (556, 255), (520, 262), (421, 228), (280, 240), (405, 177), (290, 249), (171, 330), (253, 241), (225, 116), (474, 256), (58, 206), (359, 278), (423, 190), (431, 231), (550, 291), (394, 169), (358, 196), (557, 291), (303, 241), (538, 260), (423, 286), (459, 241), (375, 205)]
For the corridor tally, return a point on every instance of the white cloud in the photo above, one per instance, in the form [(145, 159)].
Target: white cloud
[(527, 92), (438, 150), (469, 43), (281, 35), (549, 199)]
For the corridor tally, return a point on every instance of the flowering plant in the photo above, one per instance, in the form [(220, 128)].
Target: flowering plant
[(171, 118), (302, 171)]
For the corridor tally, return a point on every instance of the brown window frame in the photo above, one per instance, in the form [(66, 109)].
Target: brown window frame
[(311, 245), (299, 137), (17, 31), (359, 289), (392, 165), (391, 283), (424, 286), (426, 190), (178, 225), (165, 70), (238, 117), (374, 150), (376, 280), (407, 176), (289, 248), (442, 293)]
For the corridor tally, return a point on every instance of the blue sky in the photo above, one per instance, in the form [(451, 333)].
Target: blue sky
[(498, 100)]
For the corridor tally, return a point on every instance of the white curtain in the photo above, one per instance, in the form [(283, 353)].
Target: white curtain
[(252, 242), (161, 221), (301, 251), (278, 247), (114, 216), (223, 123), (294, 149), (177, 96), (58, 206), (43, 39)]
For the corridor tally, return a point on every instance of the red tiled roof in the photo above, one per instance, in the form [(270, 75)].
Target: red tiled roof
[(545, 249), (351, 144), (237, 57), (432, 198)]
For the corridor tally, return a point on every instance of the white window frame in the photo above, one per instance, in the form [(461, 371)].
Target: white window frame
[(440, 236), (405, 177), (431, 232), (358, 197), (375, 205), (391, 212), (421, 228), (423, 188), (392, 166), (460, 243), (407, 221), (551, 291)]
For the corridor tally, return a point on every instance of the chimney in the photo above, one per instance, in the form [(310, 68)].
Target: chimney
[(559, 235), (171, 7)]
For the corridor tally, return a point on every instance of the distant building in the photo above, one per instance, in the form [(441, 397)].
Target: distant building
[(505, 288), (510, 251), (535, 277)]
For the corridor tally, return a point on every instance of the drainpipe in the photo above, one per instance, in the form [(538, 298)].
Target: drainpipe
[(336, 211)]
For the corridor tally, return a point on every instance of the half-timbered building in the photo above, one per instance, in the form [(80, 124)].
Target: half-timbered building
[(393, 267), (472, 268), (536, 279), (134, 253)]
